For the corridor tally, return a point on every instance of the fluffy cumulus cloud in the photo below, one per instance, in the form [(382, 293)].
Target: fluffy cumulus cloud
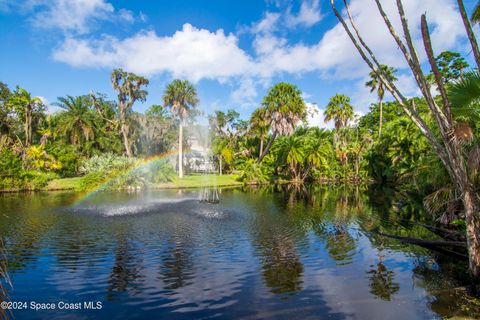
[(198, 54), (70, 16), (308, 15), (191, 53)]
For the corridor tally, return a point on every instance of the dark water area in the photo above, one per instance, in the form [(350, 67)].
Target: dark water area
[(272, 253)]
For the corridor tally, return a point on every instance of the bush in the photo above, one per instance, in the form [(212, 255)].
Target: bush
[(107, 163), (67, 155), (252, 172)]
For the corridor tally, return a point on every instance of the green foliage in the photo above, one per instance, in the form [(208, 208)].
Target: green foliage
[(253, 172), (451, 66), (67, 155), (339, 110), (107, 163), (181, 97)]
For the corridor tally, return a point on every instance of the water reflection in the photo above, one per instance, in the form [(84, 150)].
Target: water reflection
[(382, 283), (176, 264), (276, 252), (126, 271)]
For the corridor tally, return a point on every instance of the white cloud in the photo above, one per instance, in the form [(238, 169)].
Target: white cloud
[(267, 24), (308, 15), (245, 93), (72, 16), (191, 53), (198, 54), (315, 117)]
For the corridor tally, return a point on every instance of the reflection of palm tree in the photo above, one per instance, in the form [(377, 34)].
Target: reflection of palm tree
[(282, 269), (125, 271), (381, 282), (340, 244), (176, 266)]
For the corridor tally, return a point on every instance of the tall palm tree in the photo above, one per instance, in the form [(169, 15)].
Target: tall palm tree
[(77, 120), (376, 84), (284, 109), (259, 126), (25, 105), (340, 111), (181, 97)]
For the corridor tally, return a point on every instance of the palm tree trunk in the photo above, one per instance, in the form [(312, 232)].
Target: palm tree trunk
[(267, 148), (380, 123), (28, 126), (470, 34), (220, 165), (180, 150), (472, 207), (261, 145)]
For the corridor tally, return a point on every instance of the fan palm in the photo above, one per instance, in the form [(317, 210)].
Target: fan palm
[(181, 97), (376, 84), (340, 111), (284, 109)]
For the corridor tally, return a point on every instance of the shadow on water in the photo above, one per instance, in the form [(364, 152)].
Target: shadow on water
[(276, 252)]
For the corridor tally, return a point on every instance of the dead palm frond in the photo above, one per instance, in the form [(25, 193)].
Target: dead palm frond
[(444, 204)]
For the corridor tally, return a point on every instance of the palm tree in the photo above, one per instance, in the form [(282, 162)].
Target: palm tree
[(77, 121), (340, 111), (291, 151), (181, 97), (259, 126), (377, 84), (284, 109), (25, 105)]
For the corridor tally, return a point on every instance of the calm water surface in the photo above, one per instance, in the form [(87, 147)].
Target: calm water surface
[(258, 254)]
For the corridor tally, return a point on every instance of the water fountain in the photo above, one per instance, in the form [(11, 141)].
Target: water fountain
[(208, 194)]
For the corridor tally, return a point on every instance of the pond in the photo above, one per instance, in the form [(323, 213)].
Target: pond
[(283, 253)]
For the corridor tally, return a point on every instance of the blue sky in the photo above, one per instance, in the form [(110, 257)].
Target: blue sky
[(232, 50)]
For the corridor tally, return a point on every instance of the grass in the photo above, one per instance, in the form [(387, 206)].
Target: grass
[(191, 181), (65, 184), (199, 180)]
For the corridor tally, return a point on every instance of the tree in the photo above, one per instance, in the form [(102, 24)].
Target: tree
[(181, 97), (5, 94), (25, 105), (284, 109), (77, 121), (376, 83), (450, 65), (340, 111), (130, 89), (259, 126), (475, 18), (448, 150)]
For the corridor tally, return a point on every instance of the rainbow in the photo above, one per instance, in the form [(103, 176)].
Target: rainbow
[(142, 164)]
